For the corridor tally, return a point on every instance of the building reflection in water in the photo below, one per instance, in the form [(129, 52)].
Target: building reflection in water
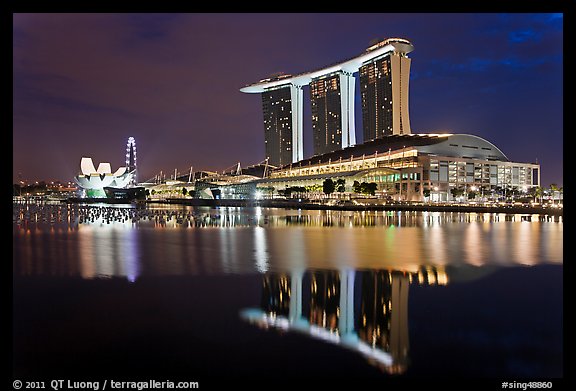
[(276, 294), (383, 322), (324, 300), (379, 331)]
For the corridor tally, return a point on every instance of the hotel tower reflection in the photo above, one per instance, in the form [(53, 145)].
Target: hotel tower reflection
[(371, 318)]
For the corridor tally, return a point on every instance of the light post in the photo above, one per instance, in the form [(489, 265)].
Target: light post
[(473, 188), (437, 195), (525, 191)]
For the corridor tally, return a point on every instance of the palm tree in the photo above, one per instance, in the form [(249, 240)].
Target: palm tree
[(538, 193)]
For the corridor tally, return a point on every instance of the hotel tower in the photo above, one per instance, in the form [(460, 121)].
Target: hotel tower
[(384, 70)]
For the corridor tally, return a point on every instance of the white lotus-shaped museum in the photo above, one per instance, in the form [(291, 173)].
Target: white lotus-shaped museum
[(97, 179)]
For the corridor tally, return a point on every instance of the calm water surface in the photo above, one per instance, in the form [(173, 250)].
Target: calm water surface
[(207, 294)]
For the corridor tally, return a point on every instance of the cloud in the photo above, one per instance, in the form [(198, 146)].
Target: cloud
[(521, 36)]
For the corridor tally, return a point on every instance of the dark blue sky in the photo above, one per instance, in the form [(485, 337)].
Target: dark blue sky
[(84, 83)]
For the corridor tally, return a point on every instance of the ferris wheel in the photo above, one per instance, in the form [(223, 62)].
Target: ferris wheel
[(131, 164)]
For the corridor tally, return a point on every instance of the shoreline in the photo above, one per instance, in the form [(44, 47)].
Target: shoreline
[(294, 204), (527, 210)]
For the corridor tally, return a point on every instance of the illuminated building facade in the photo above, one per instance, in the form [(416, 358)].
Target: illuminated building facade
[(93, 181), (412, 167), (226, 187), (276, 106), (326, 114), (384, 92), (102, 182)]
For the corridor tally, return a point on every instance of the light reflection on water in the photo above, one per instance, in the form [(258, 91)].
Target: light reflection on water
[(340, 277), (107, 241)]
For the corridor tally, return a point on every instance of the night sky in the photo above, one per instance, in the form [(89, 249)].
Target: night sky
[(84, 83)]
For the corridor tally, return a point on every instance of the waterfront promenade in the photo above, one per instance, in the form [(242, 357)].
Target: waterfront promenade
[(545, 212), (348, 205)]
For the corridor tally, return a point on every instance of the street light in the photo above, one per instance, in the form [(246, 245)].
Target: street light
[(472, 188), (437, 195)]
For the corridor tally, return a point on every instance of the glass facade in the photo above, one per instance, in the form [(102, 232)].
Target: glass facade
[(277, 109), (326, 114), (414, 172), (445, 173), (376, 94)]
